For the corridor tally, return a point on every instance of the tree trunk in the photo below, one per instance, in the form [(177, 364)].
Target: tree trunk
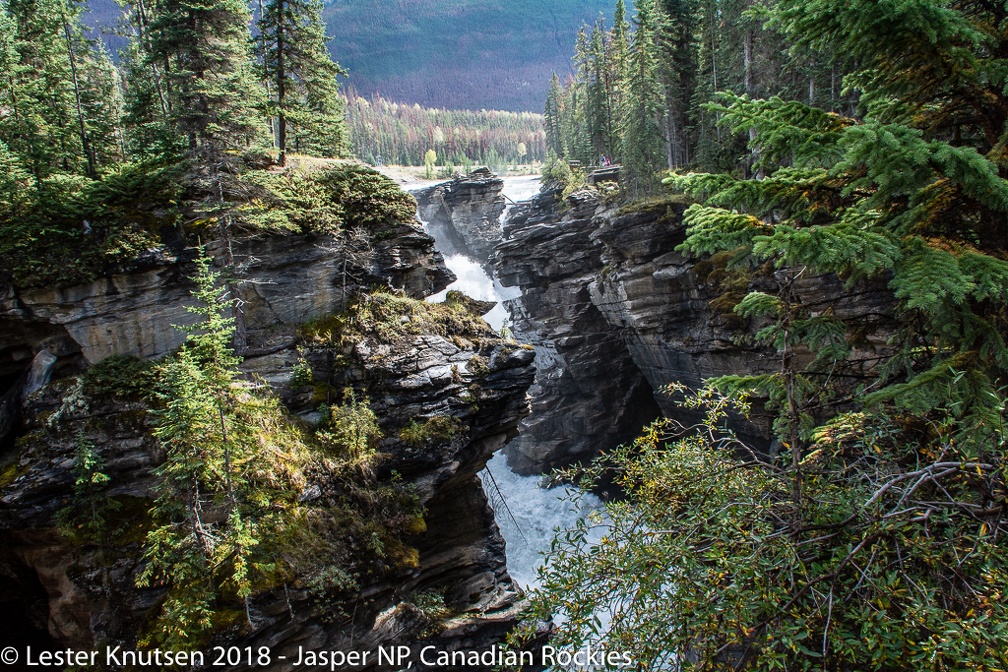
[(747, 62), (85, 144), (145, 40), (747, 46), (269, 94), (281, 89)]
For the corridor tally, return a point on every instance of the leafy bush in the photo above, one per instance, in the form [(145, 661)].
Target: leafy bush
[(886, 562), (558, 174), (352, 427)]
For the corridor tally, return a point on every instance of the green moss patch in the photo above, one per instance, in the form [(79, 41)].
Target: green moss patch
[(324, 200), (437, 428), (389, 317)]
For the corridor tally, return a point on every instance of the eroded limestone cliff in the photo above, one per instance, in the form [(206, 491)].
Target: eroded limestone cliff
[(465, 211), (589, 394), (617, 314), (60, 592)]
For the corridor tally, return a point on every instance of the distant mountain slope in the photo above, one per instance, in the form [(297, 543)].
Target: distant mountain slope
[(456, 54), (494, 54)]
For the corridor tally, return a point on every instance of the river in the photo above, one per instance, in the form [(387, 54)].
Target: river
[(528, 515)]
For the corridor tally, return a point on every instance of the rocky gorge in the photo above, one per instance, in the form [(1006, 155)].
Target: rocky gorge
[(612, 314), (441, 577), (617, 314)]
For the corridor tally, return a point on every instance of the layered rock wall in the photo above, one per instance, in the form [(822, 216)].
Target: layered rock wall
[(589, 394), (613, 307), (465, 211), (65, 595)]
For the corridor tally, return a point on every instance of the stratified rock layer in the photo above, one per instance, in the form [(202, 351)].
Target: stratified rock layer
[(465, 211), (589, 394), (281, 282), (616, 313), (61, 594)]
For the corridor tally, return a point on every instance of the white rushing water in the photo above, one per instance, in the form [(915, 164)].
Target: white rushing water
[(527, 514), (472, 279)]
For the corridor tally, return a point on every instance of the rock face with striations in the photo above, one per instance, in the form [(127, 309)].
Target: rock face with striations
[(56, 593), (465, 211), (281, 281), (609, 302), (589, 394)]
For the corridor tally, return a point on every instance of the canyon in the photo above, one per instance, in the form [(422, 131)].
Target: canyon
[(609, 315)]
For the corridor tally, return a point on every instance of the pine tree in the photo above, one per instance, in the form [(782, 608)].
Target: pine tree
[(552, 117), (677, 72), (148, 129), (214, 94), (211, 501), (103, 105), (619, 47), (146, 125), (61, 93), (642, 138), (303, 78)]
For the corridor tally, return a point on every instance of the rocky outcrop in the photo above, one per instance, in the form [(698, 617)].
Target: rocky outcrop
[(665, 307), (91, 598), (612, 307), (466, 212), (67, 595), (281, 281), (589, 394)]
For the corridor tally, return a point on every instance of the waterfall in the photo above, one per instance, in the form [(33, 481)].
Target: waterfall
[(528, 515)]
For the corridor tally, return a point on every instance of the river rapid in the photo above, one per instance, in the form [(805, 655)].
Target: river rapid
[(528, 514)]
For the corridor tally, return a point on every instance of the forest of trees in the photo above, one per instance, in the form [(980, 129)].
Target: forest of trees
[(854, 217), (397, 133), (191, 82), (642, 87)]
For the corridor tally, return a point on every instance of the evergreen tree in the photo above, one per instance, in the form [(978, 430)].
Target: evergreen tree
[(642, 138), (303, 77), (214, 94), (148, 129), (677, 72), (146, 125), (103, 106), (551, 117), (61, 93), (619, 48), (211, 502)]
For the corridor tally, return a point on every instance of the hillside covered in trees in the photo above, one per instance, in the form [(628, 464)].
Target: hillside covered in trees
[(472, 55), (382, 131)]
